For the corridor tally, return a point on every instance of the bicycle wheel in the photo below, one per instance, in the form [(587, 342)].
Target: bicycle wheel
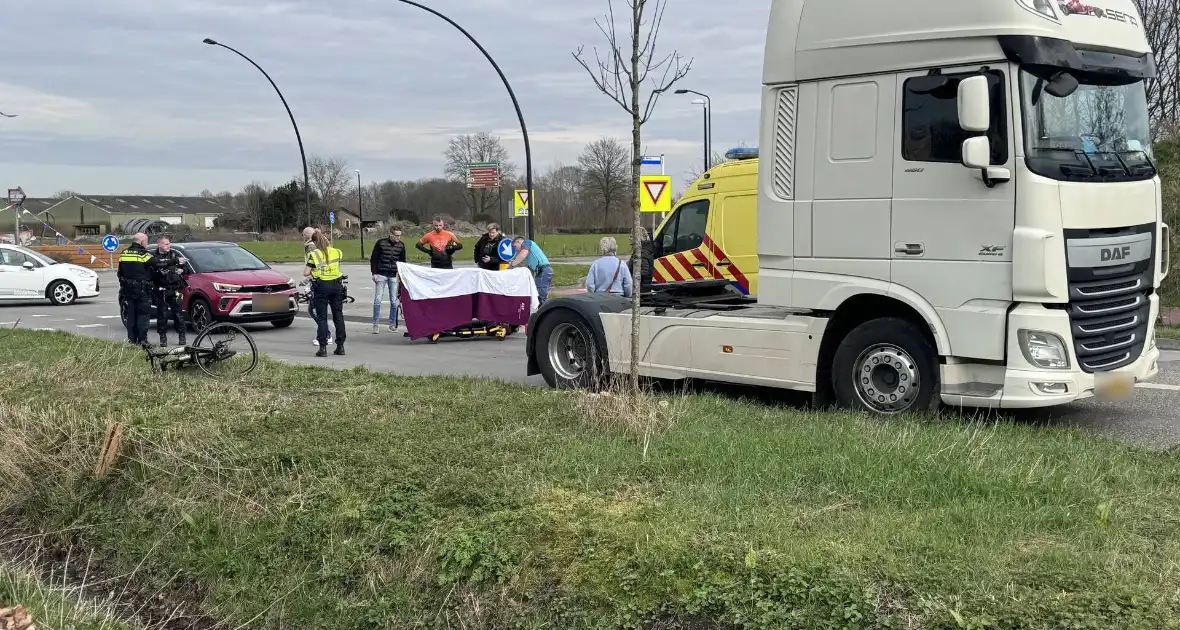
[(225, 350)]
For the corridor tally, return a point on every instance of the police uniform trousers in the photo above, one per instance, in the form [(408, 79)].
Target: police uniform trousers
[(325, 295), (138, 301), (168, 303)]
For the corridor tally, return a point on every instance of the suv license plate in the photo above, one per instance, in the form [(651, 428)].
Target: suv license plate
[(1113, 386), (270, 304)]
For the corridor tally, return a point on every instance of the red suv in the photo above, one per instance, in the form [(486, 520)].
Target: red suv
[(228, 283)]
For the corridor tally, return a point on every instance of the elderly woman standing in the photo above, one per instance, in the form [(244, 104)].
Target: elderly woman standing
[(609, 274)]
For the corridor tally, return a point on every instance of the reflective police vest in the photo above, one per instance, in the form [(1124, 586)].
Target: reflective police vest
[(326, 269)]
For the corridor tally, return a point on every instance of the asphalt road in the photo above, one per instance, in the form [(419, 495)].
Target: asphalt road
[(1150, 419)]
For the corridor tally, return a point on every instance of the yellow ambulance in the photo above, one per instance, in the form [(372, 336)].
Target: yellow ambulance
[(712, 233)]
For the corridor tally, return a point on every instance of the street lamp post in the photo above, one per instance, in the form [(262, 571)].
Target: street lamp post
[(708, 103), (298, 138), (528, 154), (360, 212)]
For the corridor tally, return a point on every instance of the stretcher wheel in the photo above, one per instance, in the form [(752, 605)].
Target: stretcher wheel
[(434, 338)]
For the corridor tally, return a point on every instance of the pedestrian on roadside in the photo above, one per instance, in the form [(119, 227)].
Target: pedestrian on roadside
[(487, 254), (135, 289), (609, 274), (327, 292), (168, 278), (387, 253), (440, 244), (529, 254)]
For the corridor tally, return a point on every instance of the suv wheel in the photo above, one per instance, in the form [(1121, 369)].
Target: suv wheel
[(200, 314), (61, 293)]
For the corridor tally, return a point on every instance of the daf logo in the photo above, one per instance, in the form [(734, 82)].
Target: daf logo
[(1116, 253)]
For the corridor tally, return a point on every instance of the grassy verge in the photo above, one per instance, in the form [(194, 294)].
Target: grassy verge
[(50, 607), (358, 500), (1167, 332), (555, 246)]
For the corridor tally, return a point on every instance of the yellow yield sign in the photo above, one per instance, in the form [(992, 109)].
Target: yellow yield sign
[(520, 203), (655, 193)]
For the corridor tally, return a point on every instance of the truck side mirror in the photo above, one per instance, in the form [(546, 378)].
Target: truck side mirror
[(977, 152), (974, 104)]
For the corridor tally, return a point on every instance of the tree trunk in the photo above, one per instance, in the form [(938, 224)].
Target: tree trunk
[(636, 166)]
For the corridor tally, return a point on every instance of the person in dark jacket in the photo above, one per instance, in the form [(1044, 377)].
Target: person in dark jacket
[(647, 258), (387, 253), (440, 244), (135, 288), (168, 278), (487, 255)]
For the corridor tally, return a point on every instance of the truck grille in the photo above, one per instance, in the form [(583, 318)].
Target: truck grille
[(1110, 318)]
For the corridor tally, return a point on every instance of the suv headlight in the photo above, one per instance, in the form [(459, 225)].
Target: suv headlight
[(291, 282), (82, 273), (221, 287), (1043, 349)]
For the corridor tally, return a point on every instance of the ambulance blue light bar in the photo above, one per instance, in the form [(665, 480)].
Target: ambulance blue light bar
[(742, 153)]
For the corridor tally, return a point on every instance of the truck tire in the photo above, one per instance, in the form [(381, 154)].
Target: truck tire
[(877, 365), (567, 352)]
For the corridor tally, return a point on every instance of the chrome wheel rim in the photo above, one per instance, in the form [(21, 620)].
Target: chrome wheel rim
[(63, 294), (569, 351), (887, 379)]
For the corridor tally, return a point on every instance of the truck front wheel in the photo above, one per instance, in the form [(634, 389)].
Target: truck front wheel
[(567, 352), (886, 366)]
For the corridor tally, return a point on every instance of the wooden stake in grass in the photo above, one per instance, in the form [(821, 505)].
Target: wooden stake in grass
[(110, 449)]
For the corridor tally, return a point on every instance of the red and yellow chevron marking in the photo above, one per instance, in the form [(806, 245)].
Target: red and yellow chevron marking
[(680, 267)]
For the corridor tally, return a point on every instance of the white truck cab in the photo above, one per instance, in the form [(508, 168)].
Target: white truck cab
[(955, 205)]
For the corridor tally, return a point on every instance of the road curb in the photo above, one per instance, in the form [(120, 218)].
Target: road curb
[(1167, 344)]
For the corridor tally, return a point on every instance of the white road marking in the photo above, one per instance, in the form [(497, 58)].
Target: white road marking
[(107, 317), (46, 329), (1169, 388), (62, 320), (91, 326), (38, 315)]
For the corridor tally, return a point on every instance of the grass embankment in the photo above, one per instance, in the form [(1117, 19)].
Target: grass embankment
[(555, 246), (49, 607), (361, 500)]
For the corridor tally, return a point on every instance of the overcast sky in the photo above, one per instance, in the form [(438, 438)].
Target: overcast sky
[(121, 96)]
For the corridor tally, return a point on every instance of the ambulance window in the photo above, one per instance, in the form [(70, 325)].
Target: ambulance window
[(930, 119), (686, 230)]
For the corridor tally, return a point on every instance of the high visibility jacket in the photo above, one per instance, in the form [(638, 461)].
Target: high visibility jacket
[(325, 268)]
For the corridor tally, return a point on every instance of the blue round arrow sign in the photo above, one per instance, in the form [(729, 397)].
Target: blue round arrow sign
[(506, 250), (110, 243)]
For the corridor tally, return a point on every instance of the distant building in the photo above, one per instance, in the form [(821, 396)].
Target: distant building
[(95, 215)]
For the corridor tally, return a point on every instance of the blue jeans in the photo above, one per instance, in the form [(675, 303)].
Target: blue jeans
[(383, 284), (544, 278)]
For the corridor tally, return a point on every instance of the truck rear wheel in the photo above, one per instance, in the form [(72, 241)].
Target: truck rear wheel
[(567, 352), (886, 366)]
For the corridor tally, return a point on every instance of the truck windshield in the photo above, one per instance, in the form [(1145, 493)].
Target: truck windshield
[(1098, 133)]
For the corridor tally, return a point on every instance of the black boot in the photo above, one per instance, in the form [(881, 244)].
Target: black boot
[(339, 350), (163, 340), (322, 352), (180, 339)]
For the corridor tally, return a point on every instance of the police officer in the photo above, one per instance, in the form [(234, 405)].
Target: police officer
[(327, 291), (135, 288), (168, 277)]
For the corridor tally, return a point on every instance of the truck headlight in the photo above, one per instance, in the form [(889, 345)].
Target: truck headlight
[(1043, 349)]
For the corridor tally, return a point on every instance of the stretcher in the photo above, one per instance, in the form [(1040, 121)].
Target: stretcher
[(465, 303)]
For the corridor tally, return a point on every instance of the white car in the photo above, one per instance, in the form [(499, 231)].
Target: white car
[(29, 275)]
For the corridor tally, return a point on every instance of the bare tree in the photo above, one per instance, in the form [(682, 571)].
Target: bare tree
[(606, 177), (330, 179), (473, 149), (621, 74), (694, 172), (64, 194), (1161, 25)]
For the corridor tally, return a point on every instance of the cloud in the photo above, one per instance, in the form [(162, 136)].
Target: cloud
[(127, 85)]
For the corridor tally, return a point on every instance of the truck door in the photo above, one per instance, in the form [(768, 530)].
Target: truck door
[(736, 251), (952, 234), (679, 254)]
